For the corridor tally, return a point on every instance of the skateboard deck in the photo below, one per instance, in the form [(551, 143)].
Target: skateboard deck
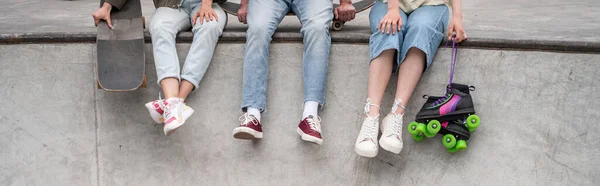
[(336, 25), (121, 58)]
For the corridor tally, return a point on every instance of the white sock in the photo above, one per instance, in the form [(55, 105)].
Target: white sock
[(255, 112), (310, 108)]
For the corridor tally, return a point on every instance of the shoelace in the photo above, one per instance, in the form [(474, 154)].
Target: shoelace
[(397, 118), (446, 97), (169, 106), (370, 130), (314, 123), (247, 119), (452, 64)]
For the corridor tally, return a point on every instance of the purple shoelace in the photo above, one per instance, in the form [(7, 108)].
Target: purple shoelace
[(452, 64)]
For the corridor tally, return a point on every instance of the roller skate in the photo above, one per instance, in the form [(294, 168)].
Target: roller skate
[(452, 115)]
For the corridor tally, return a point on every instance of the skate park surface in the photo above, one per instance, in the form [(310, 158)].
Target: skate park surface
[(535, 66)]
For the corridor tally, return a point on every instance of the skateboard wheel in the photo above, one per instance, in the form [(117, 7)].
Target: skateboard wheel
[(449, 141), (461, 145), (337, 25), (433, 127), (418, 137), (472, 122), (412, 128)]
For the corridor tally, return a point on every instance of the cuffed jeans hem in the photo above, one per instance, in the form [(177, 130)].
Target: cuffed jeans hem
[(162, 77), (261, 108), (321, 102)]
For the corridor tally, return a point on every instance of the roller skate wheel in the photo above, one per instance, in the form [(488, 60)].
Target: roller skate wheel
[(418, 137), (433, 127), (449, 141), (472, 122), (412, 128), (461, 145)]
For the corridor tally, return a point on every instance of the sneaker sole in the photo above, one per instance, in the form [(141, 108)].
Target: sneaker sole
[(309, 138), (171, 128), (246, 133), (366, 153), (156, 117), (386, 146)]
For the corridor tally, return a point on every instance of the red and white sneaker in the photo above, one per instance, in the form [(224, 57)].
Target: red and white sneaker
[(175, 114), (156, 110), (310, 129), (249, 128)]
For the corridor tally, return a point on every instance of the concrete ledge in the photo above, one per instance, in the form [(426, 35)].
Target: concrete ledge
[(358, 37)]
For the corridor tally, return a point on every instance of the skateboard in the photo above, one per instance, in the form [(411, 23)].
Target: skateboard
[(121, 57), (336, 25)]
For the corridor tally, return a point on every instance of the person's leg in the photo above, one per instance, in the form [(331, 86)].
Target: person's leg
[(425, 33), (425, 27), (315, 17), (165, 25), (383, 54), (263, 18), (201, 51)]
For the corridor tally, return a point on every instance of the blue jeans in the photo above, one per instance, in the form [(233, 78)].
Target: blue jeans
[(263, 18), (165, 25), (423, 28)]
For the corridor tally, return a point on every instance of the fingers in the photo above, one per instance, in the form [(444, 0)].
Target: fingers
[(96, 20), (388, 26), (450, 31), (109, 22), (215, 16), (394, 26), (335, 13), (380, 26), (245, 21), (194, 17)]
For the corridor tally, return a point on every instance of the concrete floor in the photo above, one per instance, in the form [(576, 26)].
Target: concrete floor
[(537, 111)]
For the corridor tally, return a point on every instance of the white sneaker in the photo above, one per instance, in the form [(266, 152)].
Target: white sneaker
[(366, 142), (391, 138), (156, 110), (175, 114)]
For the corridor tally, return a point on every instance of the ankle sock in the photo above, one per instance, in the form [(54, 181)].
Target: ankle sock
[(310, 108), (255, 112)]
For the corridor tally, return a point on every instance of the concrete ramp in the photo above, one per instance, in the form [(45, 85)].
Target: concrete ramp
[(538, 112)]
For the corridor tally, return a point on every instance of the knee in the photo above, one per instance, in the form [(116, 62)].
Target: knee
[(159, 27), (207, 27), (315, 28), (259, 31)]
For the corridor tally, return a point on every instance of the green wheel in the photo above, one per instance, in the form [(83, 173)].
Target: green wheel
[(433, 127), (418, 137), (472, 122), (412, 128), (449, 141), (421, 128), (461, 145), (452, 150)]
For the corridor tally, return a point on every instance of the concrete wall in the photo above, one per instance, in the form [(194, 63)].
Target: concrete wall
[(538, 110)]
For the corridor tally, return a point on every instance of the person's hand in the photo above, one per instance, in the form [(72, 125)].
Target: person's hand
[(391, 22), (242, 13), (103, 13), (456, 28), (345, 12), (205, 12)]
